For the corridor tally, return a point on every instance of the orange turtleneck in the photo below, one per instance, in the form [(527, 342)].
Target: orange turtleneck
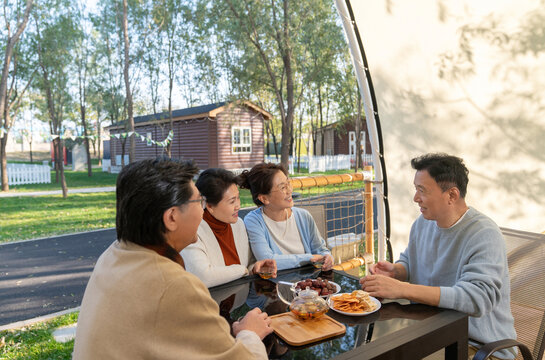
[(224, 235)]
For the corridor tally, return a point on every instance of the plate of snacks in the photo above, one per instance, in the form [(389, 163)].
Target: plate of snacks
[(357, 303), (322, 287)]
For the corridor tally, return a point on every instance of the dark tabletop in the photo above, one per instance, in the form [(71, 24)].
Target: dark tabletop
[(364, 334)]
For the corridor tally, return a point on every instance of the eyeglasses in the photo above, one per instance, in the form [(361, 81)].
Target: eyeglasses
[(284, 187), (202, 200)]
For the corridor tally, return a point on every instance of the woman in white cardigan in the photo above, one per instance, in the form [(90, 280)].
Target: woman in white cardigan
[(222, 252)]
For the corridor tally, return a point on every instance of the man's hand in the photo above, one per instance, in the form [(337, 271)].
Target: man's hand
[(256, 321), (382, 268), (382, 286)]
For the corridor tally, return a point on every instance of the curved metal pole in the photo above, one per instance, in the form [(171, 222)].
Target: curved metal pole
[(373, 124)]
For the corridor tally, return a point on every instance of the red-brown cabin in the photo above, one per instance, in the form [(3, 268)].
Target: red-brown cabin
[(227, 135)]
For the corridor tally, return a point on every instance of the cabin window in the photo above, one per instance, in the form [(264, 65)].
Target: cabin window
[(148, 139), (352, 142), (241, 139)]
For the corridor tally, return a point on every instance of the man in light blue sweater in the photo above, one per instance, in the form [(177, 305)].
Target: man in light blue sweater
[(456, 256)]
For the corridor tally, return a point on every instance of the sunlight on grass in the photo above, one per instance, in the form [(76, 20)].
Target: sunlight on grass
[(37, 342), (33, 217)]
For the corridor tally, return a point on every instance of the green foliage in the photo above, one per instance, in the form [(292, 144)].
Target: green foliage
[(37, 342)]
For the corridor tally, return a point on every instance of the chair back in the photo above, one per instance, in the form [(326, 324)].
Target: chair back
[(526, 259), (318, 213)]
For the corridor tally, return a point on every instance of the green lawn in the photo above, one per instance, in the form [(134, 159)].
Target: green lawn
[(37, 342), (33, 217)]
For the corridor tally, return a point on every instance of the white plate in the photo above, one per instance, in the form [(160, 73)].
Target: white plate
[(375, 300), (337, 288)]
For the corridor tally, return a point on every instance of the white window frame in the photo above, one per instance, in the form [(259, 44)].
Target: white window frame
[(148, 136), (352, 142), (241, 147)]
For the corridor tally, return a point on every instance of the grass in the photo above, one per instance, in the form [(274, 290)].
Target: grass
[(37, 342), (33, 217), (26, 217)]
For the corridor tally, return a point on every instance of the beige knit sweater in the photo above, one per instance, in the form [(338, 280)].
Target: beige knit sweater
[(140, 305)]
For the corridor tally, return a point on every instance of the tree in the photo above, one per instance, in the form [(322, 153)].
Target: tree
[(12, 39), (53, 42), (268, 45), (107, 82), (81, 65), (130, 118)]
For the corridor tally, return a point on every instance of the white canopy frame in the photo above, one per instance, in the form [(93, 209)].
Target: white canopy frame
[(373, 125)]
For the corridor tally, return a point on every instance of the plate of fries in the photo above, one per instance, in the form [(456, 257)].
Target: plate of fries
[(357, 303)]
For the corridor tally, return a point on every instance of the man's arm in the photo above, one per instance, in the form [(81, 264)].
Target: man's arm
[(389, 287)]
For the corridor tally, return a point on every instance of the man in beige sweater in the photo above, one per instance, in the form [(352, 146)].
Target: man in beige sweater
[(140, 302)]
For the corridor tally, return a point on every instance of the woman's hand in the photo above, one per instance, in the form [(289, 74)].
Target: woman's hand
[(256, 321), (326, 260), (268, 264)]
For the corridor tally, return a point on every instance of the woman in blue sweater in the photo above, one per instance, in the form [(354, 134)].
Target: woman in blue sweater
[(276, 229)]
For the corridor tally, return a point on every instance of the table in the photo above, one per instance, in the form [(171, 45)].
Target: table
[(399, 330)]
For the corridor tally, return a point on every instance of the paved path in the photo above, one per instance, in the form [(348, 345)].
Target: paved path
[(57, 192), (44, 276), (40, 277)]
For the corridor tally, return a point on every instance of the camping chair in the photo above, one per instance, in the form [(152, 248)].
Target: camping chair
[(318, 213), (526, 258)]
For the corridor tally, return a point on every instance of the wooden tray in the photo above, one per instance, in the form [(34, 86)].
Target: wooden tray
[(298, 332)]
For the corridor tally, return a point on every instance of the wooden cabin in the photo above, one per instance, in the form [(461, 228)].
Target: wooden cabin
[(226, 135), (340, 139)]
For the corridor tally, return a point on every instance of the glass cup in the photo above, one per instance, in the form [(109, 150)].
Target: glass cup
[(266, 272), (318, 264)]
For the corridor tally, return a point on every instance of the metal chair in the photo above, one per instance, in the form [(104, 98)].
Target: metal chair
[(526, 259)]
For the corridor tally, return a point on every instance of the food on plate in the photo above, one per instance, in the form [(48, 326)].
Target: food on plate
[(322, 287), (358, 301)]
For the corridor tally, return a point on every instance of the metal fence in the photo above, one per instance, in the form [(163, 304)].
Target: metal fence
[(19, 174), (322, 163)]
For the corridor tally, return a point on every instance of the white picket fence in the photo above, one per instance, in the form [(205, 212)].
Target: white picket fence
[(19, 174), (322, 163)]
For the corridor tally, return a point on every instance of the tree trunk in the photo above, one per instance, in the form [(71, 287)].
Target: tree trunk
[(268, 146), (99, 140), (86, 142), (322, 150), (275, 143), (10, 44), (127, 84), (61, 167), (4, 160), (56, 159), (358, 134), (299, 143), (287, 128), (9, 52), (123, 142)]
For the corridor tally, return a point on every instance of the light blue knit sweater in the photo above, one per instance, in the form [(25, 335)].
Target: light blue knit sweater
[(264, 246), (468, 262)]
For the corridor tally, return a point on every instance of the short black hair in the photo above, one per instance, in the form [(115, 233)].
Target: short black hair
[(145, 190), (214, 182), (259, 179), (446, 170)]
